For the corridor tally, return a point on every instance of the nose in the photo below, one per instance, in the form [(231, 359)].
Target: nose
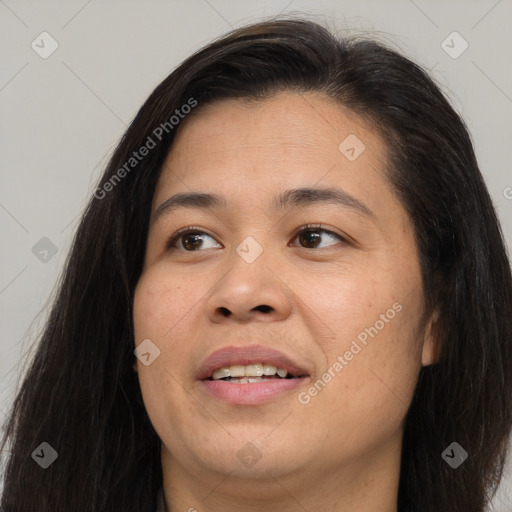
[(250, 292)]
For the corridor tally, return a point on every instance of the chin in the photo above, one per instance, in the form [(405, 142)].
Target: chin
[(254, 459)]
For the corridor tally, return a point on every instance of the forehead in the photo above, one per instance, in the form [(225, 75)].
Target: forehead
[(247, 151), (309, 121), (285, 136)]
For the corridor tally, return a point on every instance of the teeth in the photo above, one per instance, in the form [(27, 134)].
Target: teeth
[(251, 370), (221, 373), (254, 370), (247, 380), (237, 371), (268, 369)]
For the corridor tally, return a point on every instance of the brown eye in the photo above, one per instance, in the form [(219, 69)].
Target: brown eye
[(311, 237), (189, 239)]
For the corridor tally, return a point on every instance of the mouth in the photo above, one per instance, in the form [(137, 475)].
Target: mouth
[(250, 375)]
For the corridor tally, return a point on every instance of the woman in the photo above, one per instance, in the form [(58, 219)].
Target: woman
[(289, 292)]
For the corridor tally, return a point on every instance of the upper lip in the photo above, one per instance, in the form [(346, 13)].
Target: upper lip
[(249, 354)]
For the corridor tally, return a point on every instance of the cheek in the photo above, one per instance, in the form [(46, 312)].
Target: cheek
[(161, 300), (379, 359), (163, 310), (373, 349), (161, 304), (347, 302)]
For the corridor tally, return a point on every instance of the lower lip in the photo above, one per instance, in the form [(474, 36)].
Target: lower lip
[(255, 393)]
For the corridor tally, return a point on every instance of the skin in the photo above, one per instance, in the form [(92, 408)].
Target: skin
[(341, 450)]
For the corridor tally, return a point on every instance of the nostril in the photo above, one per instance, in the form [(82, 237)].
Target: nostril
[(224, 311), (264, 308)]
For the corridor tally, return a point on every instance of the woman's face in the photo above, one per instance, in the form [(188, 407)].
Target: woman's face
[(340, 306)]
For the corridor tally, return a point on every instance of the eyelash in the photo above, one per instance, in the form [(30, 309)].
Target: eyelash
[(197, 230)]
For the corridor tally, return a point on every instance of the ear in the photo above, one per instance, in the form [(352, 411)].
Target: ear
[(430, 346)]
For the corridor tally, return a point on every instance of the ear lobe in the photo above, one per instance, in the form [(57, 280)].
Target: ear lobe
[(430, 344)]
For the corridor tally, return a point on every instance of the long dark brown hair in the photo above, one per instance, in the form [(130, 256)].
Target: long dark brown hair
[(80, 393)]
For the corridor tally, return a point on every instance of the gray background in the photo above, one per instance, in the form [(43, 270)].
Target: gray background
[(62, 116)]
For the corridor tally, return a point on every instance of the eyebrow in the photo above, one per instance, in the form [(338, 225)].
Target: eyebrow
[(292, 198)]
